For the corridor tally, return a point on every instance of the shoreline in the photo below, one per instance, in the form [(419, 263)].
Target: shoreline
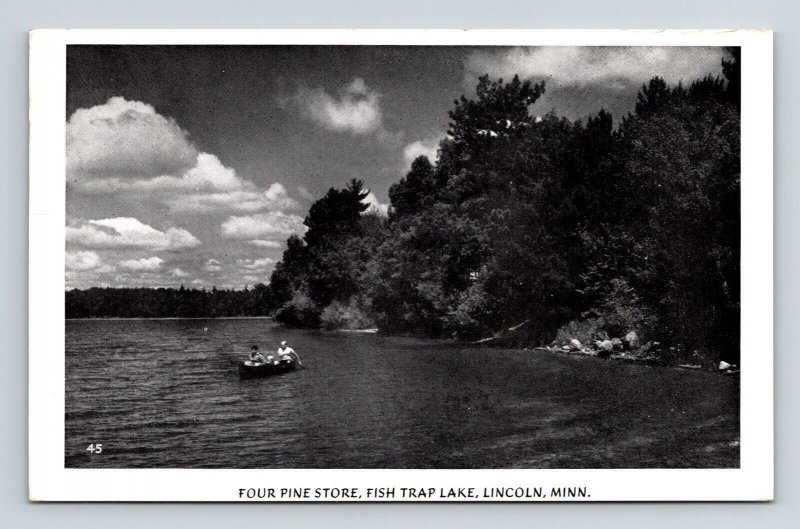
[(626, 357)]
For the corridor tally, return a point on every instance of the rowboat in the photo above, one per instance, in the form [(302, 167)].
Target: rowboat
[(249, 369)]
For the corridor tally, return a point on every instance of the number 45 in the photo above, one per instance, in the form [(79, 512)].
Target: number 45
[(95, 448)]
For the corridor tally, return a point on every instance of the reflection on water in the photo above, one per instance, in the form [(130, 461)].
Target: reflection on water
[(166, 393)]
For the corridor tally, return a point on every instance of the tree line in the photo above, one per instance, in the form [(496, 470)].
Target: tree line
[(540, 220), (169, 302)]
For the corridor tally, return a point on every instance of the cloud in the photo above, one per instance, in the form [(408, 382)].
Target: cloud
[(206, 187), (376, 206), (212, 265), (590, 65), (265, 244), (427, 147), (145, 264), (305, 193), (126, 147), (253, 265), (127, 232), (206, 173), (246, 198), (262, 226), (82, 260), (123, 138), (278, 198), (356, 109), (210, 202), (181, 194), (177, 272), (85, 268)]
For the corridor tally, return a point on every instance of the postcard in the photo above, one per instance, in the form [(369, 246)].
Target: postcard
[(400, 265)]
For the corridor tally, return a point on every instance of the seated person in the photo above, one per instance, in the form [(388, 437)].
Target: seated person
[(287, 354), (256, 357)]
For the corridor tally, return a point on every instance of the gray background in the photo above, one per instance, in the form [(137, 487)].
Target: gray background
[(15, 511)]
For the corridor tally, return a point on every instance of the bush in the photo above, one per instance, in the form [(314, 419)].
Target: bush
[(585, 331), (470, 314), (300, 311), (349, 316), (621, 311)]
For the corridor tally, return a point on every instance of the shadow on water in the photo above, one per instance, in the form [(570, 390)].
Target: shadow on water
[(166, 393)]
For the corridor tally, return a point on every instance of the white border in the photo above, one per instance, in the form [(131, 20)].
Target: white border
[(50, 481)]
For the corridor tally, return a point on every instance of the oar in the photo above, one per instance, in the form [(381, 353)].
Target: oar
[(297, 358), (298, 361)]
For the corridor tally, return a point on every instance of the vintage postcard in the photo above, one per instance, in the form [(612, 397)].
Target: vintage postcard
[(369, 265)]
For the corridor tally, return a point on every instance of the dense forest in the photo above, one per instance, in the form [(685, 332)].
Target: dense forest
[(168, 302), (574, 229), (565, 229)]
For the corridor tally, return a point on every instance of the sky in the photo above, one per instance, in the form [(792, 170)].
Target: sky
[(191, 165)]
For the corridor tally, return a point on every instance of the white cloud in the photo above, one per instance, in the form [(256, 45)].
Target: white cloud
[(305, 193), (262, 226), (85, 268), (126, 147), (212, 265), (177, 272), (252, 279), (206, 174), (355, 110), (581, 66), (247, 198), (145, 264), (255, 264), (427, 147), (127, 232), (123, 138), (210, 173), (375, 205), (278, 198), (208, 186), (82, 260), (265, 244), (209, 202)]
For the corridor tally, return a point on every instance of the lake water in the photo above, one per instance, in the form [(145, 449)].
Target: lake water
[(166, 393)]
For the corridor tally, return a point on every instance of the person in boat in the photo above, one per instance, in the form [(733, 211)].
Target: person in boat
[(255, 356), (287, 354)]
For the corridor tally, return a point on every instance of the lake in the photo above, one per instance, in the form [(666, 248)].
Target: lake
[(166, 394)]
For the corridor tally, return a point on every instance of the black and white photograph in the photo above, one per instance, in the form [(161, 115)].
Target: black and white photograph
[(403, 257)]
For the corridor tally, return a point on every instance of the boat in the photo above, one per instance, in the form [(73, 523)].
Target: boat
[(248, 369)]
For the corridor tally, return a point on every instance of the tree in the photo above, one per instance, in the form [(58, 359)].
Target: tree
[(336, 214), (290, 271), (417, 190), (327, 264)]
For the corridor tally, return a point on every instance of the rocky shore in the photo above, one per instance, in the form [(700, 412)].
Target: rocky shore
[(630, 349)]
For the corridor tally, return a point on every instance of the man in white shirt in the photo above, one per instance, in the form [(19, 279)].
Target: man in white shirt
[(287, 353)]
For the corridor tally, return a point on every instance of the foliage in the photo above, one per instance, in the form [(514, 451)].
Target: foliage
[(300, 311), (585, 331), (328, 265), (418, 190), (350, 315), (168, 302), (620, 311), (539, 219)]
